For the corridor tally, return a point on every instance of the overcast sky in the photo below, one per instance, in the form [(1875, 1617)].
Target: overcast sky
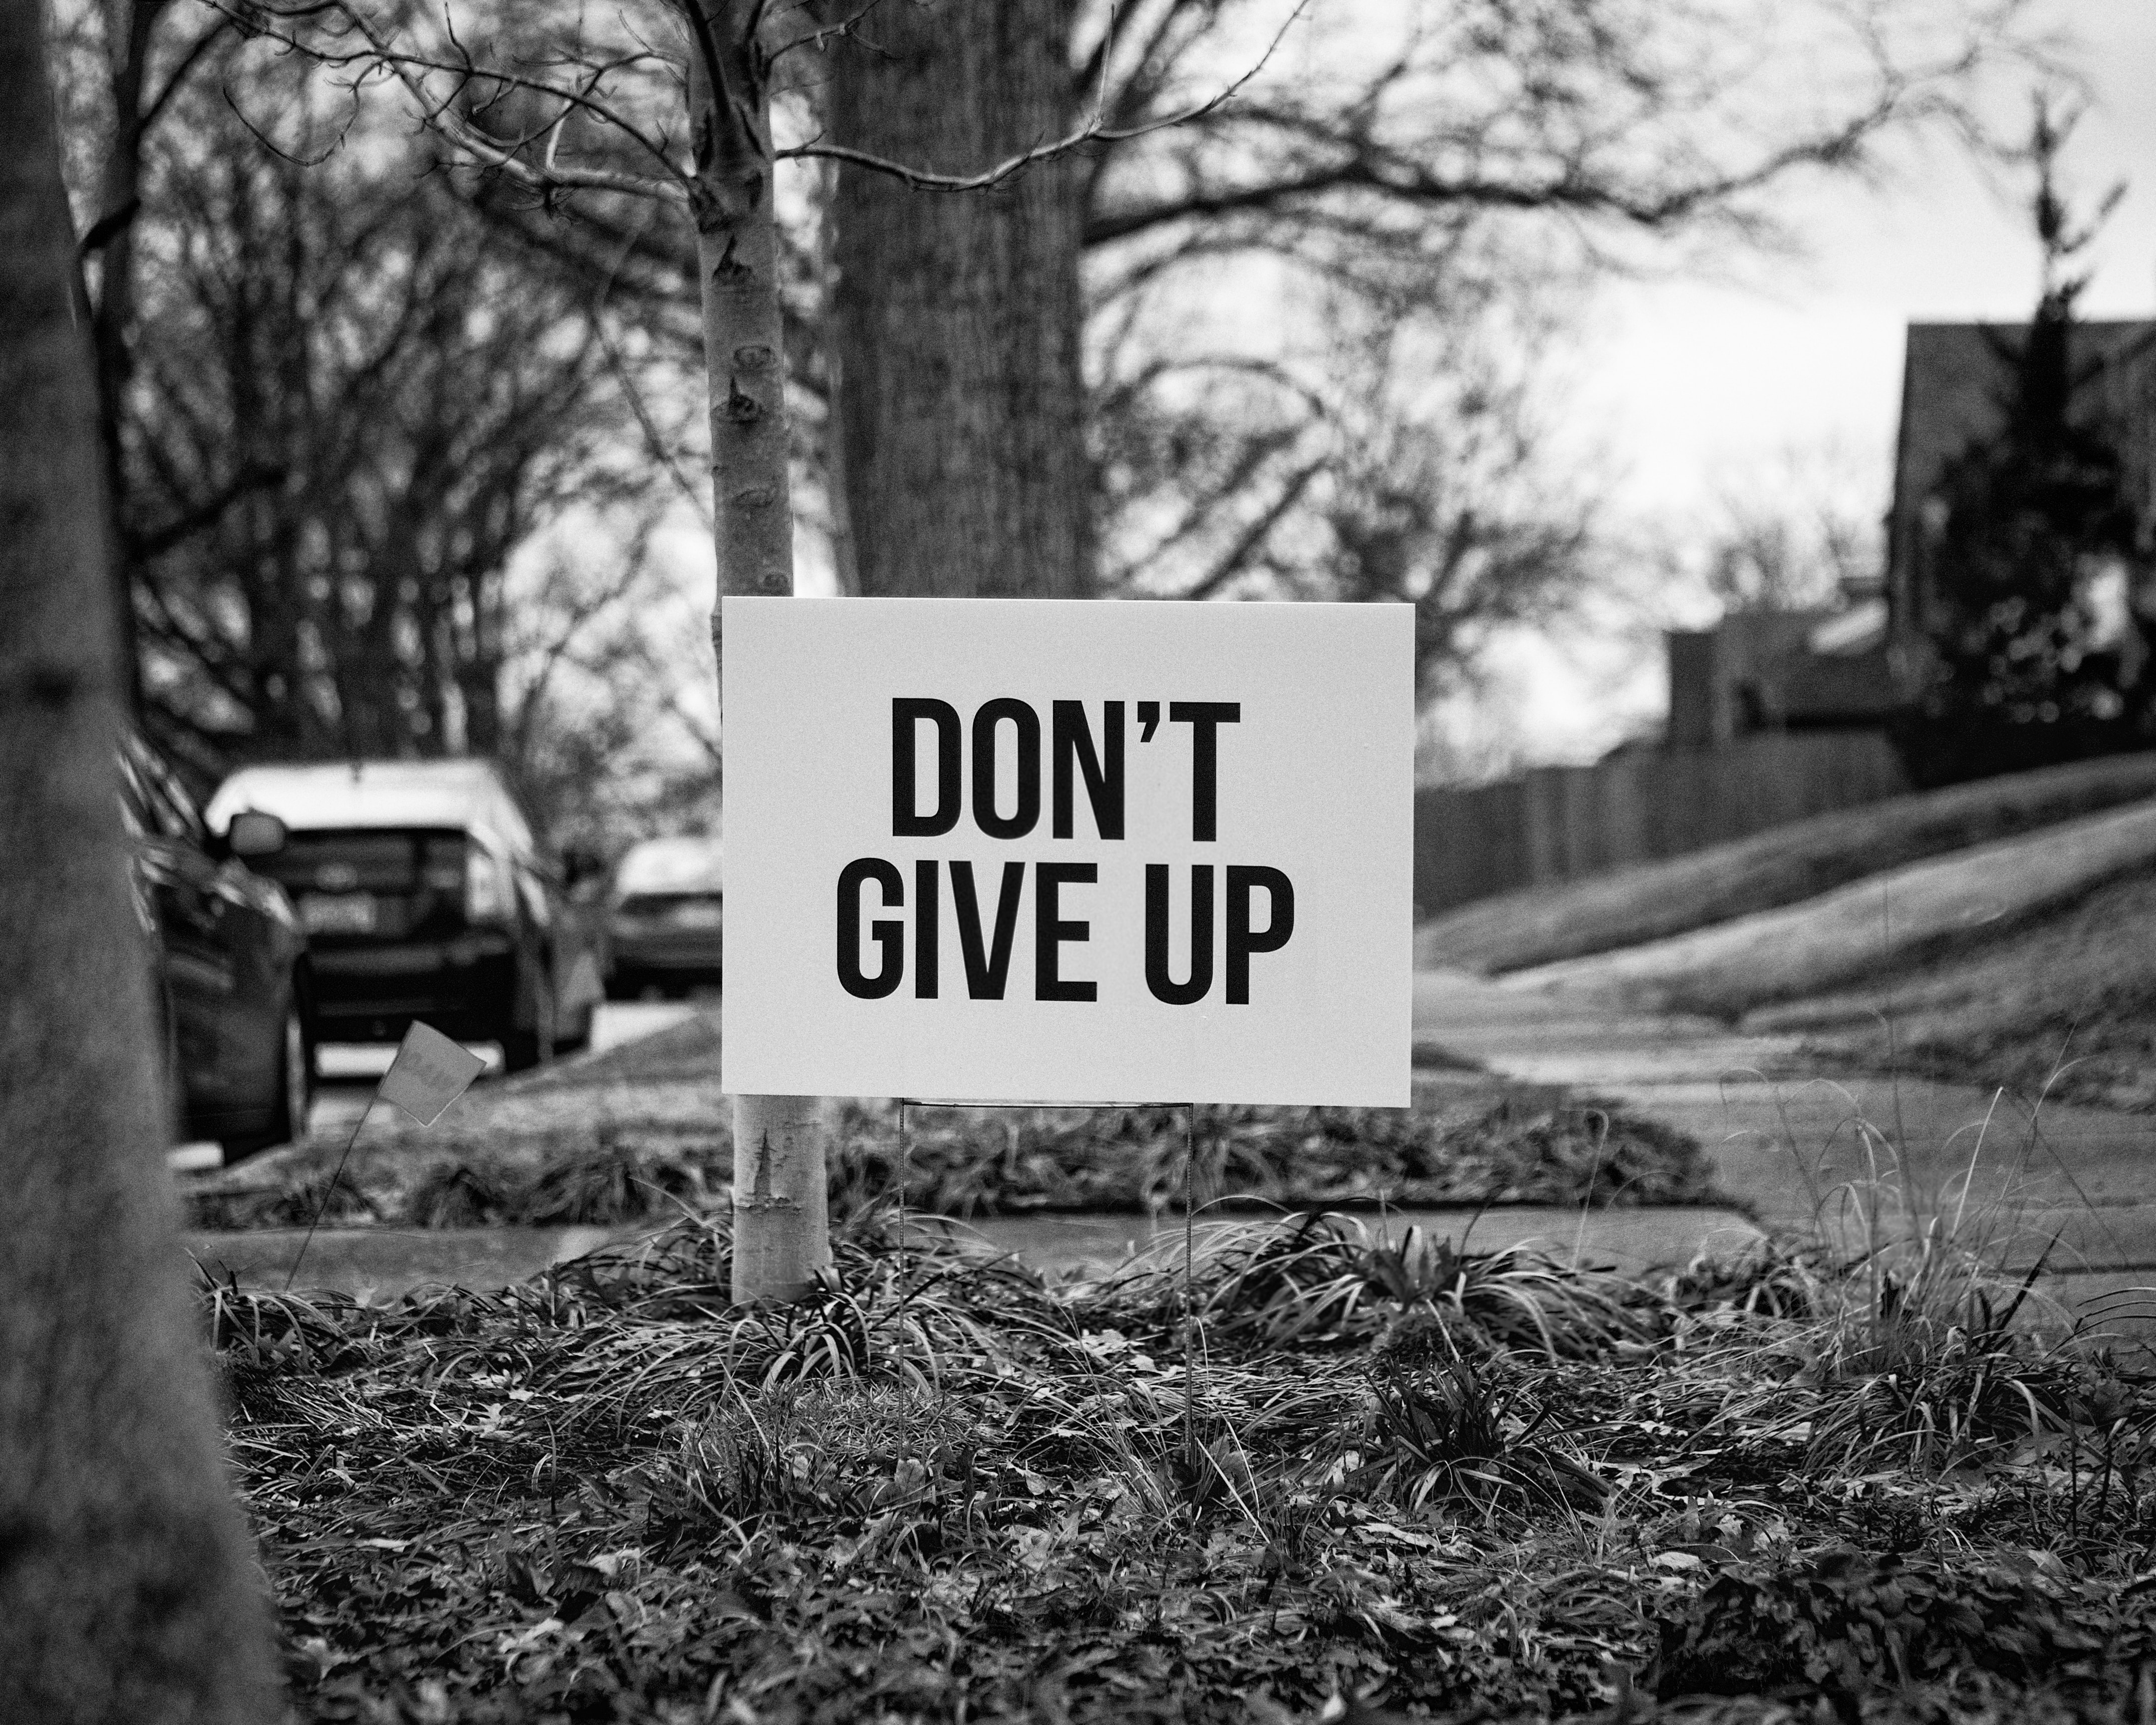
[(1691, 390), (1701, 375)]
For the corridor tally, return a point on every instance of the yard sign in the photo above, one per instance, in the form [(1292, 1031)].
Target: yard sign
[(1045, 850)]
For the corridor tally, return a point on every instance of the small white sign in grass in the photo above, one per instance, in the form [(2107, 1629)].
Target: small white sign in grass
[(1051, 851)]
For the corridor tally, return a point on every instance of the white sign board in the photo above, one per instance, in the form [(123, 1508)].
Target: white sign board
[(1045, 850)]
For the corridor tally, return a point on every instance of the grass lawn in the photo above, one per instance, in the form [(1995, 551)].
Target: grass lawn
[(1928, 913), (1314, 1477), (2065, 1005), (1547, 924)]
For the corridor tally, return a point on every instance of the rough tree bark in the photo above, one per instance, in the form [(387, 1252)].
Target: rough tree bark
[(127, 1592), (959, 316), (781, 1229)]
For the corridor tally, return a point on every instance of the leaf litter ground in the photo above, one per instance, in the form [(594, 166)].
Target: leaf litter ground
[(1310, 1476), (633, 1132)]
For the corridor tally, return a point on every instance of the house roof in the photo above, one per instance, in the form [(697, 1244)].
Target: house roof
[(1954, 381)]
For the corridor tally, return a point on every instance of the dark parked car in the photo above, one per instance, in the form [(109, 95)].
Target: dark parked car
[(665, 917), (235, 985), (423, 895)]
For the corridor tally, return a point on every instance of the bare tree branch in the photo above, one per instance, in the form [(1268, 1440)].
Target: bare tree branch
[(1575, 116), (1236, 558), (1096, 130), (178, 75), (252, 477), (439, 112)]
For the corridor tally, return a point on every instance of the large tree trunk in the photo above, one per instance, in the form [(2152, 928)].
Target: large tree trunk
[(782, 1234), (960, 393), (126, 1589)]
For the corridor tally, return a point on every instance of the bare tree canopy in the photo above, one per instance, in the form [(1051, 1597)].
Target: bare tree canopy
[(339, 396), (423, 409), (1401, 122), (1460, 169), (1354, 167)]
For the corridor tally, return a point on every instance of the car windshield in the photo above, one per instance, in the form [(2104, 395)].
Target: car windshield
[(369, 862), (468, 795), (671, 868)]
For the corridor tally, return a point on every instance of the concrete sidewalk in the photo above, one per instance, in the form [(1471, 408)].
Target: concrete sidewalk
[(1793, 1143), (381, 1263)]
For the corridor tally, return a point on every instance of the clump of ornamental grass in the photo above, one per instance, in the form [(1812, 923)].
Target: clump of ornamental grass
[(607, 1182), (1916, 1315), (659, 1341), (1461, 1435), (1767, 1278), (267, 1341), (329, 1194), (460, 1194), (1324, 1280), (1929, 1343)]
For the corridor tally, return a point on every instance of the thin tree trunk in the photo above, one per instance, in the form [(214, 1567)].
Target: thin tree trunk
[(131, 31), (127, 1593), (781, 1228), (479, 675), (960, 397)]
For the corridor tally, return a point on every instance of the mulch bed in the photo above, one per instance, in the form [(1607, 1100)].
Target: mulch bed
[(1466, 1141), (1309, 1477)]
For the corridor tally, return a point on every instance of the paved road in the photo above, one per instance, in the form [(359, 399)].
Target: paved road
[(349, 1070)]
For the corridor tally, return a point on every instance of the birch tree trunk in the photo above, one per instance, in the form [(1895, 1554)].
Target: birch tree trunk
[(127, 1591), (782, 1235), (961, 400)]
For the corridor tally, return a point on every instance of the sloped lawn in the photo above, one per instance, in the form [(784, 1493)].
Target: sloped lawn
[(1308, 1477), (1653, 901), (2063, 1008), (1924, 914)]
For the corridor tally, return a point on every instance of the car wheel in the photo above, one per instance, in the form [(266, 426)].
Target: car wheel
[(295, 1096)]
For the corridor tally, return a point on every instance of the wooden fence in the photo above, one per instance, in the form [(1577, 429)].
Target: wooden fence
[(1559, 822)]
